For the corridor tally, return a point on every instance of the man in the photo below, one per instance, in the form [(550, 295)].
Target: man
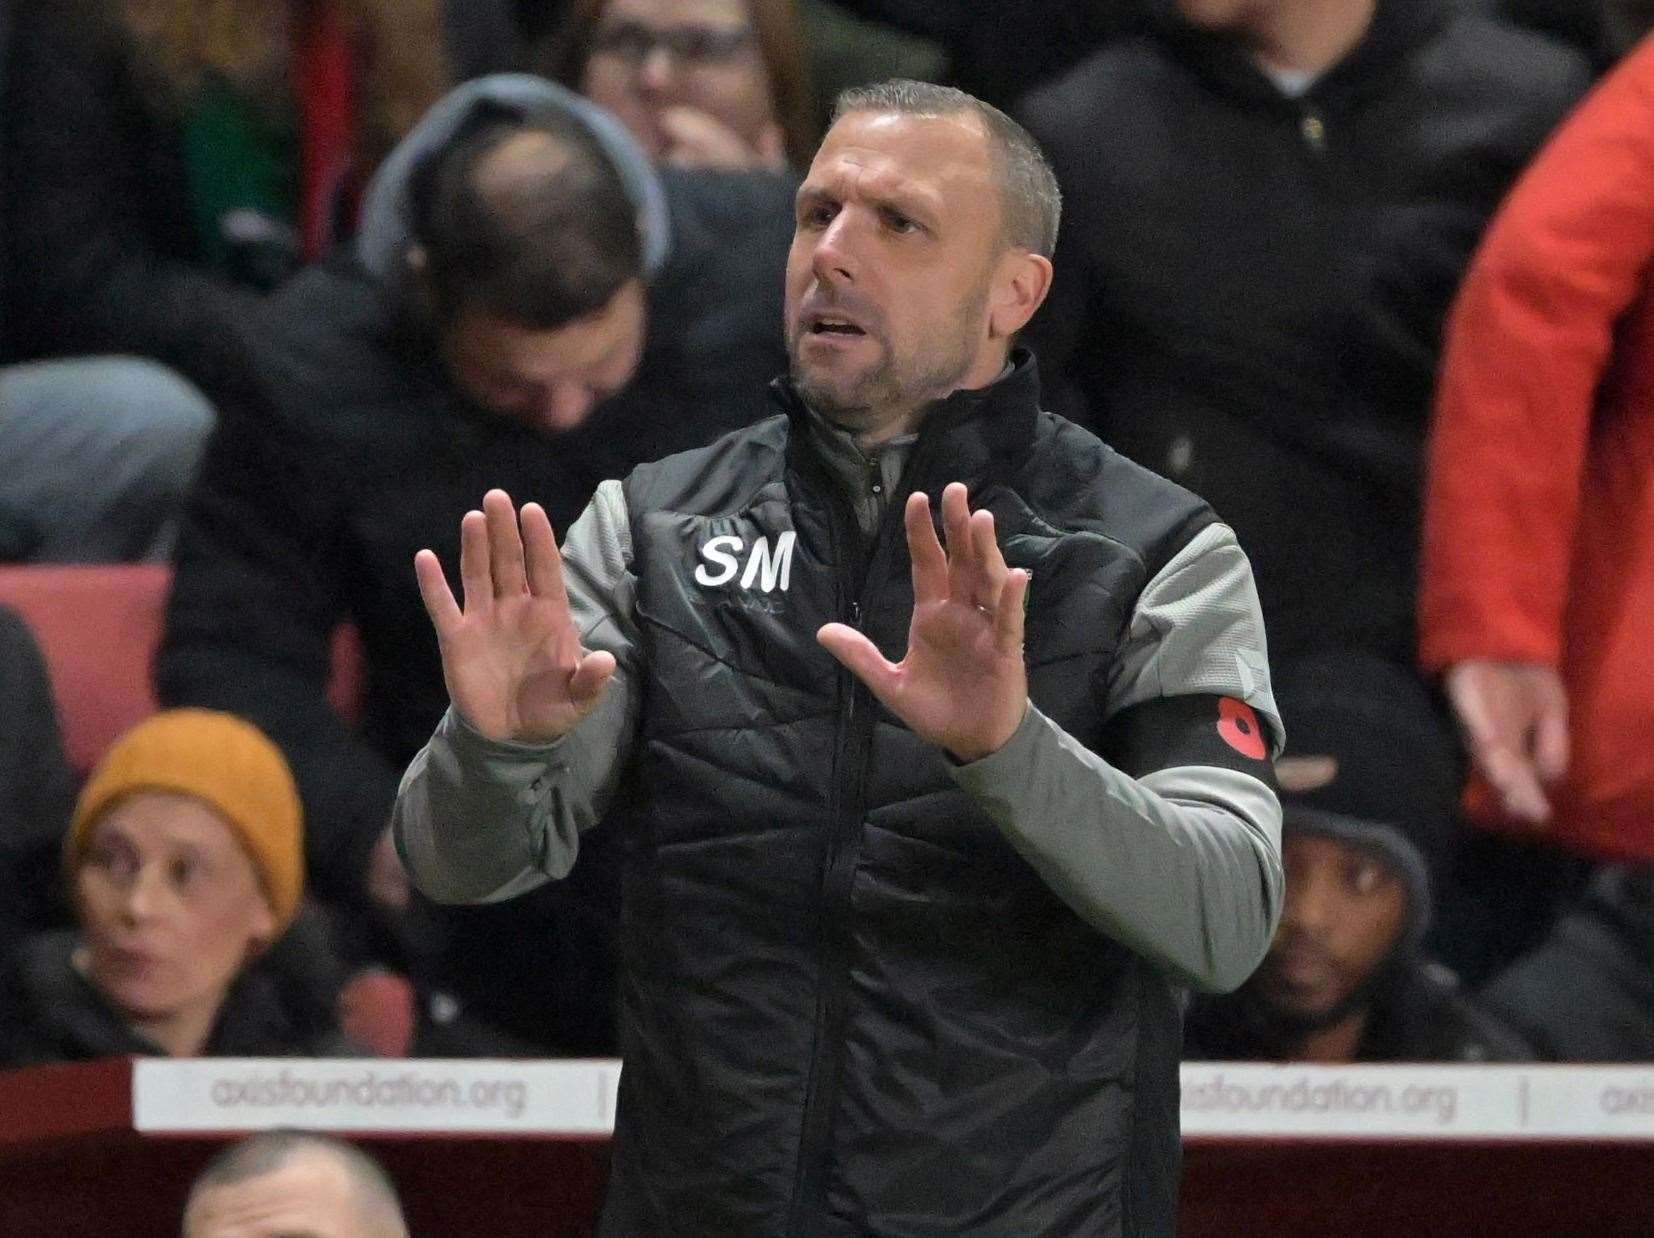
[(1345, 979), (1271, 204), (284, 1182), (496, 297), (1537, 571), (903, 942)]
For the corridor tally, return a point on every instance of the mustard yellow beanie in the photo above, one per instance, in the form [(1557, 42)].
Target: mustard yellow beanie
[(223, 761)]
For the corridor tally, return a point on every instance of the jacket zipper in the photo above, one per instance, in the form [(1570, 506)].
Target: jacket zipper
[(851, 755), (1314, 130)]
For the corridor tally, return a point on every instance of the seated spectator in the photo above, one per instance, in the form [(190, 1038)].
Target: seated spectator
[(285, 1182), (496, 298), (1586, 993), (193, 154), (1367, 794), (184, 861), (700, 83), (1267, 206)]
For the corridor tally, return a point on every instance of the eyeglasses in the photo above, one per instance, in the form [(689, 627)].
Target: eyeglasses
[(692, 46)]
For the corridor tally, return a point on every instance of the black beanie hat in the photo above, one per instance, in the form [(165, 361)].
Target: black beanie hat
[(1370, 762)]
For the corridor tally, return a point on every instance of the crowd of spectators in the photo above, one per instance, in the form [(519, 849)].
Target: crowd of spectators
[(285, 287)]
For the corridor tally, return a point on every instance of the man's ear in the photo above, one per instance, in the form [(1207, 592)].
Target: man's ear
[(1020, 286)]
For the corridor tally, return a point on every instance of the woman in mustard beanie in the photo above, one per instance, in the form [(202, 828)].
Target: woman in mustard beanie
[(184, 862)]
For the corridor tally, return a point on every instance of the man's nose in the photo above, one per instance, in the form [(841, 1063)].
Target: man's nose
[(1310, 904), (834, 260), (566, 405)]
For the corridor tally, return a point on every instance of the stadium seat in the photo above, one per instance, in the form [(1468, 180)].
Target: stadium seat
[(98, 627)]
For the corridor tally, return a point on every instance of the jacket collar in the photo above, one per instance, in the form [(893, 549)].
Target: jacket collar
[(962, 436), (69, 1011), (1225, 67)]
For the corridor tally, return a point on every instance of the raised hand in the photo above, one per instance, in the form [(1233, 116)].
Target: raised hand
[(962, 685), (511, 658), (1515, 721)]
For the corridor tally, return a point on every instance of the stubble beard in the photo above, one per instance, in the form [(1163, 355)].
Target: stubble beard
[(894, 387)]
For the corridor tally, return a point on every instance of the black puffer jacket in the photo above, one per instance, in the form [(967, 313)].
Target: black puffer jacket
[(1250, 287), (850, 1006), (49, 1012)]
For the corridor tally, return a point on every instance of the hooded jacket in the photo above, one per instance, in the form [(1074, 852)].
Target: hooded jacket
[(1373, 769), (345, 448), (1250, 286)]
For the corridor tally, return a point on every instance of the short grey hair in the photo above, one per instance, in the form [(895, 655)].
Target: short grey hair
[(1030, 201), (268, 1151)]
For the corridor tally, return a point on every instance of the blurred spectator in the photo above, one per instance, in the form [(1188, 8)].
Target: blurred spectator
[(1001, 49), (166, 162), (96, 457), (287, 1182), (1268, 206), (385, 403), (185, 866), (36, 787), (197, 151), (1586, 994), (1537, 582), (1368, 796), (700, 83)]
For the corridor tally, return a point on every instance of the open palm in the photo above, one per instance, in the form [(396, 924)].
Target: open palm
[(512, 661), (962, 684)]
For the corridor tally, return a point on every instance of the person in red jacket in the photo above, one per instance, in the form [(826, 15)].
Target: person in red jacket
[(1537, 573)]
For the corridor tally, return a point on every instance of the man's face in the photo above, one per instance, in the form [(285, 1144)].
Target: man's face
[(549, 379), (1345, 910), (649, 56), (891, 267), (309, 1194)]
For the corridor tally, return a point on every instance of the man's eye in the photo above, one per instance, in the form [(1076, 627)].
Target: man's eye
[(900, 223), (818, 216)]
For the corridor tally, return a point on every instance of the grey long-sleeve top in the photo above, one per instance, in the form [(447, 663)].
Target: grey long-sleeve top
[(1181, 865)]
